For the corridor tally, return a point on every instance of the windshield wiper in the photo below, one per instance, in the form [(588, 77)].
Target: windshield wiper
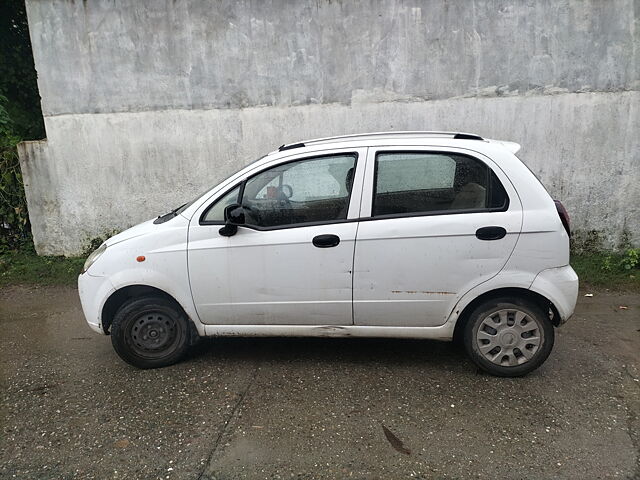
[(168, 216), (175, 210)]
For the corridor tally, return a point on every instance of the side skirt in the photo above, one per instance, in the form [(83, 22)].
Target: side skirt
[(442, 332)]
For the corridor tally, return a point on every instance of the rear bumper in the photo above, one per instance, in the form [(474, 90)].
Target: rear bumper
[(94, 292), (560, 286)]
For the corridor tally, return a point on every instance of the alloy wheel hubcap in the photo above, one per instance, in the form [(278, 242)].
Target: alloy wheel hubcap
[(509, 337)]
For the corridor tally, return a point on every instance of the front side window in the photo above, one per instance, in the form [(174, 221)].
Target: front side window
[(215, 214), (413, 182), (305, 191)]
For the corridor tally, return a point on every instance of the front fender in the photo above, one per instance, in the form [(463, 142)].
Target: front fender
[(161, 281)]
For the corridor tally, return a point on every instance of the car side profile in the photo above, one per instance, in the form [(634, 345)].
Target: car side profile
[(432, 235)]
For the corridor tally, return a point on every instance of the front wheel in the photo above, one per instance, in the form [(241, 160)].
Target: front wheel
[(508, 337), (150, 332)]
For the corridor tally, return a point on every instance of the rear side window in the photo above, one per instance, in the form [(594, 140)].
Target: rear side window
[(425, 182)]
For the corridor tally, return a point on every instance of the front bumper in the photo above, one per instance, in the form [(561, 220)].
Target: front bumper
[(560, 286), (94, 292)]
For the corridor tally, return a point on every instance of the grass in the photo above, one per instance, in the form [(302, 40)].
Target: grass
[(25, 267), (596, 270), (606, 270)]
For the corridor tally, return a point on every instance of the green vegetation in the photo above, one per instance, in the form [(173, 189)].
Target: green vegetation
[(599, 268), (615, 271), (15, 231), (25, 267), (20, 119)]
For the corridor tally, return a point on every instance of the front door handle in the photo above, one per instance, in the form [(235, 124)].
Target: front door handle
[(326, 241), (491, 233)]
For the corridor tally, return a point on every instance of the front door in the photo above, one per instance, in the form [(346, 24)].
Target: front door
[(291, 264), (439, 223)]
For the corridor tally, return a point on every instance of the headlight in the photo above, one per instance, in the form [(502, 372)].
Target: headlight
[(93, 257)]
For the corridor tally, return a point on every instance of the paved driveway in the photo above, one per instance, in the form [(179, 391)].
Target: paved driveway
[(314, 408)]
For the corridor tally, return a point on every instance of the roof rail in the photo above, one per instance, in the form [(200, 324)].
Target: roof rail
[(290, 146), (460, 135), (455, 135), (467, 136)]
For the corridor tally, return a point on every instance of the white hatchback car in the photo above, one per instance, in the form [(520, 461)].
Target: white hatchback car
[(430, 235)]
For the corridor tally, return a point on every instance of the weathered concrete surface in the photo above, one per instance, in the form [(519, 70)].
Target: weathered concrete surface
[(149, 55), (173, 155), (147, 103), (313, 408)]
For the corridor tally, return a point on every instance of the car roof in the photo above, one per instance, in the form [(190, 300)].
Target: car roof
[(378, 138), (403, 139)]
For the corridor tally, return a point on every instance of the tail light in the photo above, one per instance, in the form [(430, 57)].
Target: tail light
[(564, 216)]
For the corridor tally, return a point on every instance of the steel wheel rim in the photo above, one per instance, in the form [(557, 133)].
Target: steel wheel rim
[(509, 337), (153, 334)]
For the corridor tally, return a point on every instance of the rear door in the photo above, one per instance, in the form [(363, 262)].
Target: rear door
[(436, 222)]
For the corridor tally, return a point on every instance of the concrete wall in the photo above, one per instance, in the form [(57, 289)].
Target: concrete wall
[(149, 102)]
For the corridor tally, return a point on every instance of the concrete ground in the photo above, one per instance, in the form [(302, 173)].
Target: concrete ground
[(314, 408)]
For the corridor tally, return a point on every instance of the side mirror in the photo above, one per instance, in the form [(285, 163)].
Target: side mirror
[(233, 216)]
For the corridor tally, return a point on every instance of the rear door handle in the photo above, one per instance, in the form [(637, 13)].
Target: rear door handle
[(326, 241), (491, 233)]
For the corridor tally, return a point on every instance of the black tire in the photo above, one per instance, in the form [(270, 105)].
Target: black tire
[(533, 335), (150, 332)]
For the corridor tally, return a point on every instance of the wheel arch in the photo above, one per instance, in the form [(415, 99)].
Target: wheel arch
[(120, 296), (514, 292)]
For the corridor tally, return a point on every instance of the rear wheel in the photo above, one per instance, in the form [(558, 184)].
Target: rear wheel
[(150, 332), (508, 337)]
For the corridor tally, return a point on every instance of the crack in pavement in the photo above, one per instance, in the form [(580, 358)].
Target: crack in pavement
[(632, 419), (254, 375)]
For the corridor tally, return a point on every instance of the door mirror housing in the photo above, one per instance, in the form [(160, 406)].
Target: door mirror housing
[(234, 214), (233, 217)]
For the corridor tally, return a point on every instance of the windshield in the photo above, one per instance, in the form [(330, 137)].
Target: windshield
[(181, 209)]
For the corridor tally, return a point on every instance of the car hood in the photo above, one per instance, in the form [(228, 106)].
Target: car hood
[(149, 228), (135, 231)]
